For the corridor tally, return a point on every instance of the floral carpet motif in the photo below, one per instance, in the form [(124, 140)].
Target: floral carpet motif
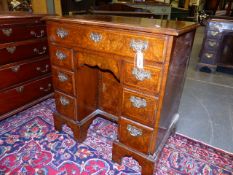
[(29, 145)]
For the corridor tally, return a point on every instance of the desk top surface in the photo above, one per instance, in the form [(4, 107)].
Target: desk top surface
[(168, 27)]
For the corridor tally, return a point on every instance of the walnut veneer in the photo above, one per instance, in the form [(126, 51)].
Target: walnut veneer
[(94, 72), (24, 63)]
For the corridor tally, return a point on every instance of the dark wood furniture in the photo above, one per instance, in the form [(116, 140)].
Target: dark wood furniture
[(24, 63), (217, 44), (94, 73)]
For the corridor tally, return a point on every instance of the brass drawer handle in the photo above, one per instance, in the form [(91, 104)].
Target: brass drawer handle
[(19, 89), (60, 55), (37, 51), (138, 102), (62, 77), (7, 31), (46, 89), (61, 33), (64, 101), (96, 37), (15, 68), (43, 70), (138, 45), (11, 49), (36, 35), (134, 131), (214, 33), (212, 43), (209, 55), (141, 74)]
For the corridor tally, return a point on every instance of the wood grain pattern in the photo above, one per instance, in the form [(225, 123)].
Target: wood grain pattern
[(63, 80)]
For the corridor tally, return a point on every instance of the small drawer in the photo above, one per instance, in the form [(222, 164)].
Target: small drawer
[(135, 135), (208, 57), (139, 107), (23, 50), (14, 32), (108, 41), (16, 97), (65, 105), (61, 57), (20, 72), (214, 34), (211, 44), (148, 78), (63, 80)]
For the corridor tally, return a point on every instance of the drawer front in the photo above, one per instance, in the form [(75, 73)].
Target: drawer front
[(211, 44), (135, 135), (139, 107), (148, 78), (63, 80), (24, 94), (114, 42), (208, 57), (214, 34), (20, 51), (12, 33), (61, 57), (18, 73), (65, 105)]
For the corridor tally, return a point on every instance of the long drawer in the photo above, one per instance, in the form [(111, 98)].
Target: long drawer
[(12, 33), (20, 72), (16, 97), (22, 50), (108, 41)]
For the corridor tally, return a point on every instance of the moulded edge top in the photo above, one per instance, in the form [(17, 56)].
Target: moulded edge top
[(168, 27)]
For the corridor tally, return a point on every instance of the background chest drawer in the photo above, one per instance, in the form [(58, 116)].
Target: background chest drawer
[(148, 78), (139, 107), (62, 57), (23, 94), (18, 73), (135, 135), (98, 39), (12, 33), (23, 50), (63, 80)]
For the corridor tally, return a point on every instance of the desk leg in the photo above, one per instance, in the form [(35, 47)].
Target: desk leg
[(79, 129), (119, 151)]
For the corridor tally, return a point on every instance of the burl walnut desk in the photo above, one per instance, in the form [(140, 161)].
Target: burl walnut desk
[(130, 70)]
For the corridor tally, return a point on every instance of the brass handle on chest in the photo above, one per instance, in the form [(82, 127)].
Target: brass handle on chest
[(15, 68), (20, 89), (212, 43), (141, 74), (40, 52), (209, 55), (11, 49), (134, 131), (64, 101), (214, 33), (138, 102), (60, 55), (7, 31), (46, 89), (43, 70), (96, 37), (37, 36), (62, 77), (62, 33)]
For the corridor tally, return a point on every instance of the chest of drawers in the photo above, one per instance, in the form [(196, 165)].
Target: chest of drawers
[(216, 51), (95, 73), (24, 63)]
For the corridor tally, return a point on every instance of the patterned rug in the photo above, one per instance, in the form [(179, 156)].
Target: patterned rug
[(30, 145)]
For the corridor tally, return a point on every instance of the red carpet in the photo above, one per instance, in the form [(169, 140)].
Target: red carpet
[(30, 145)]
